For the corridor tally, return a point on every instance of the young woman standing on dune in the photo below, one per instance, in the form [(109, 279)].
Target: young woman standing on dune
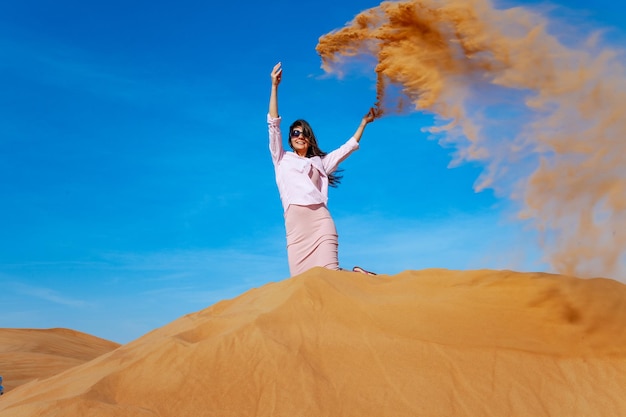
[(303, 177)]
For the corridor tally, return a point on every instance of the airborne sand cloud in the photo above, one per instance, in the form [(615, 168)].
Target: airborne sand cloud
[(543, 117)]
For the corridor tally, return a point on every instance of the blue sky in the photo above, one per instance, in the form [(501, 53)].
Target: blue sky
[(135, 178)]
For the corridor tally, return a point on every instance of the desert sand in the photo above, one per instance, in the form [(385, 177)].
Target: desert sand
[(333, 343), (30, 354), (517, 94)]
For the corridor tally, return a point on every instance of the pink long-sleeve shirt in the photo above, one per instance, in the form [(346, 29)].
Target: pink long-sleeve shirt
[(293, 172)]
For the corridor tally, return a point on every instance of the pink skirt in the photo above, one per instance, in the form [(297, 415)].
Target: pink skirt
[(311, 238)]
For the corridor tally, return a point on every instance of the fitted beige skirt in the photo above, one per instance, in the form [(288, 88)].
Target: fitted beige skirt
[(311, 238)]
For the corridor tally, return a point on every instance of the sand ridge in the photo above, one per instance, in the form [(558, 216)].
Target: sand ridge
[(30, 354), (333, 343)]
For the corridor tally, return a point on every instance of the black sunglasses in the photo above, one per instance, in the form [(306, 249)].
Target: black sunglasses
[(295, 133)]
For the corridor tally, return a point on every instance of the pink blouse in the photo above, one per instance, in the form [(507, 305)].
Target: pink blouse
[(294, 177)]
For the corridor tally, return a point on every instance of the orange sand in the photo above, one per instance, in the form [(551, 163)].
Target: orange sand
[(332, 343), (517, 94), (29, 354)]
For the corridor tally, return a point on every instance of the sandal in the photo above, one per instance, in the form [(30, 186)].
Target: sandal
[(362, 271)]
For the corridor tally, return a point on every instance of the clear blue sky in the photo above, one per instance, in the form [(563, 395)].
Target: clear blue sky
[(136, 184)]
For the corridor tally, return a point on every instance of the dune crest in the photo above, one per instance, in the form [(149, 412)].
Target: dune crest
[(30, 354), (332, 343)]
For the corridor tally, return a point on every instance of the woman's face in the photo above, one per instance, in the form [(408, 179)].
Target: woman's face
[(299, 143)]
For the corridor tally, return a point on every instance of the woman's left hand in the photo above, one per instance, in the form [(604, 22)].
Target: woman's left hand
[(370, 116)]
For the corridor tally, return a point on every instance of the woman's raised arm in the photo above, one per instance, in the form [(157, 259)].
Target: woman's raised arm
[(276, 75), (368, 118)]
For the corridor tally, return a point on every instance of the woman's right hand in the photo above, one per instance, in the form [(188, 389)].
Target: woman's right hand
[(277, 73)]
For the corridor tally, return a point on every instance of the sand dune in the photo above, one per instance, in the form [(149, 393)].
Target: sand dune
[(29, 354), (326, 343)]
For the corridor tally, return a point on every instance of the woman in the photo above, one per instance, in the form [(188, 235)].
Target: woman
[(303, 177)]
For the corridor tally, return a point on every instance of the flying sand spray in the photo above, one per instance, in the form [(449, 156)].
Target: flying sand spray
[(547, 121)]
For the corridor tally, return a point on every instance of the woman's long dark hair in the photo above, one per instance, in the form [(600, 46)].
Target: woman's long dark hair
[(314, 149)]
